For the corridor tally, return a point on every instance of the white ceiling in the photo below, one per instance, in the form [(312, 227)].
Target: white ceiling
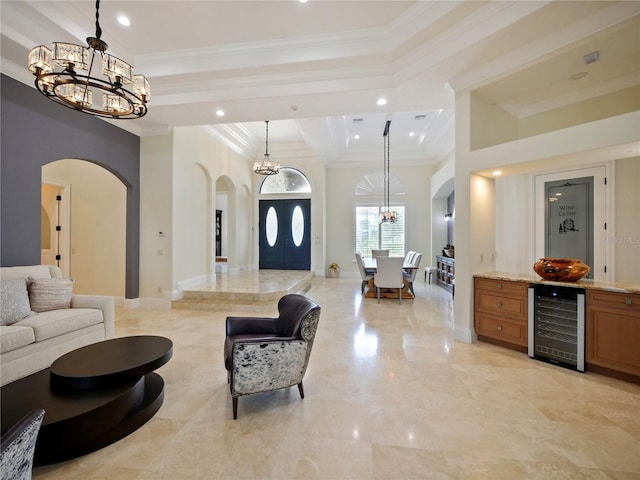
[(316, 69)]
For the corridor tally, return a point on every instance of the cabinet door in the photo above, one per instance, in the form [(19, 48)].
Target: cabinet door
[(613, 339)]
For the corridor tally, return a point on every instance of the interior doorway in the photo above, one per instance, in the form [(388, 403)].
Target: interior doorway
[(594, 219), (92, 234)]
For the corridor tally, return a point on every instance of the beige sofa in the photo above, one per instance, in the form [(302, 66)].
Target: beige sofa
[(33, 343)]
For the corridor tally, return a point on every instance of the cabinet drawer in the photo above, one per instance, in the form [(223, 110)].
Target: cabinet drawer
[(629, 302), (515, 308), (516, 289), (501, 329)]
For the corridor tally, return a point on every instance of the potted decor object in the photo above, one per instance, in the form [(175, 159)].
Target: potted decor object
[(561, 269), (334, 270)]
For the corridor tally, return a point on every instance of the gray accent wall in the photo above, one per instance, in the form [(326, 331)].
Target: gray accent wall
[(36, 131)]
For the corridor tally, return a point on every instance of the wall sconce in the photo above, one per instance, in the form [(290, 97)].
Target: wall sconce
[(448, 217)]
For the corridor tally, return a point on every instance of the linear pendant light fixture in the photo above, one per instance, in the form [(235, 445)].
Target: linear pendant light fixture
[(266, 166), (387, 216), (67, 87)]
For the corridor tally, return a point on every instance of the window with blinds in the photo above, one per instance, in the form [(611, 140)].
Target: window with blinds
[(371, 235)]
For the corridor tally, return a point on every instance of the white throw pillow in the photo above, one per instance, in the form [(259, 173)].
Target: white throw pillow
[(50, 293), (14, 301)]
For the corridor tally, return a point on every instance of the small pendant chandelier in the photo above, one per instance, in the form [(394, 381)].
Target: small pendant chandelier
[(387, 216), (266, 166), (71, 89)]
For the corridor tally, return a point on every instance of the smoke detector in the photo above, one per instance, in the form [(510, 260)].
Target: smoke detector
[(592, 57)]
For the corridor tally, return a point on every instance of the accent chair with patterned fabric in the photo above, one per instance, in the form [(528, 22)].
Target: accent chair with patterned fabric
[(18, 446), (263, 354)]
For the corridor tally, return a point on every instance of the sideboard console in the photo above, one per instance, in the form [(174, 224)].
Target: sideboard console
[(445, 271), (612, 319)]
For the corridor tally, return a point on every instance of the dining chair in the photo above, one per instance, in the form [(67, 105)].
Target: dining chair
[(410, 274), (389, 275), (408, 258), (379, 253), (366, 275)]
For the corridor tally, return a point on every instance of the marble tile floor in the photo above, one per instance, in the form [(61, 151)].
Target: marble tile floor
[(389, 394)]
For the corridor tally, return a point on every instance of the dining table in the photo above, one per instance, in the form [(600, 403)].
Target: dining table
[(370, 267)]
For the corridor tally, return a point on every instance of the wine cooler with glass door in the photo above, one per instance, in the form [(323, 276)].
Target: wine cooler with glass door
[(556, 325)]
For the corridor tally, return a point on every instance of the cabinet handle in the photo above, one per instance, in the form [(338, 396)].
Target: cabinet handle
[(499, 285), (499, 328), (628, 301), (499, 304)]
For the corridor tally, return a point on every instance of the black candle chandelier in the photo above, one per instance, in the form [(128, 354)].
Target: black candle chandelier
[(387, 216), (67, 87)]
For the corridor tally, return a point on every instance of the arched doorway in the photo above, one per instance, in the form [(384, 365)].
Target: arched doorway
[(95, 229)]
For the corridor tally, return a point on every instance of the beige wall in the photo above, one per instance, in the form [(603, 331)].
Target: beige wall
[(491, 125), (178, 178), (341, 203), (627, 222), (156, 197)]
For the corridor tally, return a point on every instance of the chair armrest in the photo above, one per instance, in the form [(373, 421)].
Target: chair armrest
[(252, 325), (101, 302), (258, 338), (31, 421)]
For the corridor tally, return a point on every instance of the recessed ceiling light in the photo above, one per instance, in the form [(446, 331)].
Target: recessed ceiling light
[(356, 136), (303, 1), (381, 101), (497, 173), (220, 113), (412, 134), (122, 20)]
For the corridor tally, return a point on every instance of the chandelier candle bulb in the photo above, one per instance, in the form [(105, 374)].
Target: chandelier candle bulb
[(40, 59), (70, 56), (117, 70)]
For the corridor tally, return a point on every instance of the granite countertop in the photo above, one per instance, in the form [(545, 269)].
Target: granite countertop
[(621, 287)]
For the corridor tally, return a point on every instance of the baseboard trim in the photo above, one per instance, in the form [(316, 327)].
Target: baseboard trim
[(465, 335)]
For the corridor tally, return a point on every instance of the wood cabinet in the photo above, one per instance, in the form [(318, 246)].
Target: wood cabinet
[(445, 271), (500, 312), (613, 332)]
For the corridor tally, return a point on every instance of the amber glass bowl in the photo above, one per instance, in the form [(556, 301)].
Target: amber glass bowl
[(561, 269)]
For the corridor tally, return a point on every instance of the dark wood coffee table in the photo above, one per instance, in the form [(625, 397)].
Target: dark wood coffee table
[(92, 396)]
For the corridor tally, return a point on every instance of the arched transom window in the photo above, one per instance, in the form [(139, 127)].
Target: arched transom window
[(289, 180)]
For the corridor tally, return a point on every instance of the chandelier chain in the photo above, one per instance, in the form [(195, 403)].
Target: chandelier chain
[(98, 29)]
